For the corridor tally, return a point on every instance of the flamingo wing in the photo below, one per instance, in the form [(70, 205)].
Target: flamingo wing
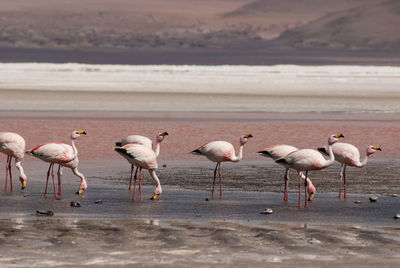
[(53, 152), (135, 139), (138, 155), (216, 151)]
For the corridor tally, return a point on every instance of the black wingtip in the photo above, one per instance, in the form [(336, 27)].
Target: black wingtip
[(323, 150), (264, 153), (118, 143), (281, 161)]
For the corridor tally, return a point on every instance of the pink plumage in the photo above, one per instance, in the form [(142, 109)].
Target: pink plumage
[(65, 156), (13, 145), (221, 151)]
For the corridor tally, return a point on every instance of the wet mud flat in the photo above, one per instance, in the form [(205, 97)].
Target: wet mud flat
[(188, 227)]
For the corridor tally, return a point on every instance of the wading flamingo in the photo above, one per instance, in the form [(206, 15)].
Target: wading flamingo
[(65, 156), (13, 145), (280, 151), (142, 157), (348, 155), (138, 139), (221, 151), (309, 159)]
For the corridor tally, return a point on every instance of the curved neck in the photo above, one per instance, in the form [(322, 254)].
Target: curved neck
[(239, 156), (157, 150), (154, 176), (74, 150), (363, 160), (21, 170), (331, 159)]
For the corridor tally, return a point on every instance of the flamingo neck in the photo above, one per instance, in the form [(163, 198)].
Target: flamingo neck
[(331, 159), (239, 156), (21, 170), (363, 161), (157, 150), (74, 150)]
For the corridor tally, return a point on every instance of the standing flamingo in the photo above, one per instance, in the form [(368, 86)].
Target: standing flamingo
[(309, 159), (65, 156), (280, 151), (138, 139), (221, 151), (13, 145), (348, 155)]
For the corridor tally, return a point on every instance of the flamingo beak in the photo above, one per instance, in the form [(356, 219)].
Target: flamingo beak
[(154, 197), (164, 134), (82, 132), (339, 135), (377, 148), (23, 184), (79, 192), (311, 197), (248, 136)]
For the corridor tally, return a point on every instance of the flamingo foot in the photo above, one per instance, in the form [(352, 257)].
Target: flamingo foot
[(79, 192)]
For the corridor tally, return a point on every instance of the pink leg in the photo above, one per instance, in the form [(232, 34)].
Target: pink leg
[(220, 180), (47, 181), (130, 181), (140, 183), (340, 181), (286, 194), (54, 183), (215, 175), (299, 191), (305, 190), (9, 170), (7, 167), (59, 175), (134, 184), (344, 182)]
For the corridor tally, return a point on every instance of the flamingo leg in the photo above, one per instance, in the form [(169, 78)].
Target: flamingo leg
[(286, 194), (220, 180), (305, 190), (134, 184), (54, 183), (299, 190), (130, 181), (9, 170), (47, 181), (341, 180), (215, 175), (59, 175), (344, 182), (140, 183), (7, 167)]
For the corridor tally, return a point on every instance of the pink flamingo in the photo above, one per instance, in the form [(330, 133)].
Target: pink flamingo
[(348, 155), (13, 145), (138, 139), (280, 151), (309, 159), (142, 157), (221, 151), (65, 156)]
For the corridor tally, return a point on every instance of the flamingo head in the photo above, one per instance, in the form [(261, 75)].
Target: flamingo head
[(335, 138), (310, 190), (245, 138), (157, 192), (160, 136), (77, 133), (22, 179), (373, 149), (82, 187)]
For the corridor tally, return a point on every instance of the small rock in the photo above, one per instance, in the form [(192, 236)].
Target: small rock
[(75, 204), (98, 201), (207, 199), (314, 241), (164, 165), (267, 211), (198, 215), (44, 213), (373, 198), (397, 216), (357, 202), (394, 195)]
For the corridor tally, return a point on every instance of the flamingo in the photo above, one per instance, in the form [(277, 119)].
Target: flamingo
[(13, 145), (65, 156), (309, 159), (348, 155), (138, 139), (280, 151), (221, 151)]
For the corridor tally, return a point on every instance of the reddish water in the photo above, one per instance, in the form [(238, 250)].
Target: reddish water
[(188, 131)]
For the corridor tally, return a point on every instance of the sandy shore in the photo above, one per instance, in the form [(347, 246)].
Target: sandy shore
[(182, 228)]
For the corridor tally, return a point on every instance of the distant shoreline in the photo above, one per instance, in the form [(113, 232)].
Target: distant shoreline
[(142, 56)]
